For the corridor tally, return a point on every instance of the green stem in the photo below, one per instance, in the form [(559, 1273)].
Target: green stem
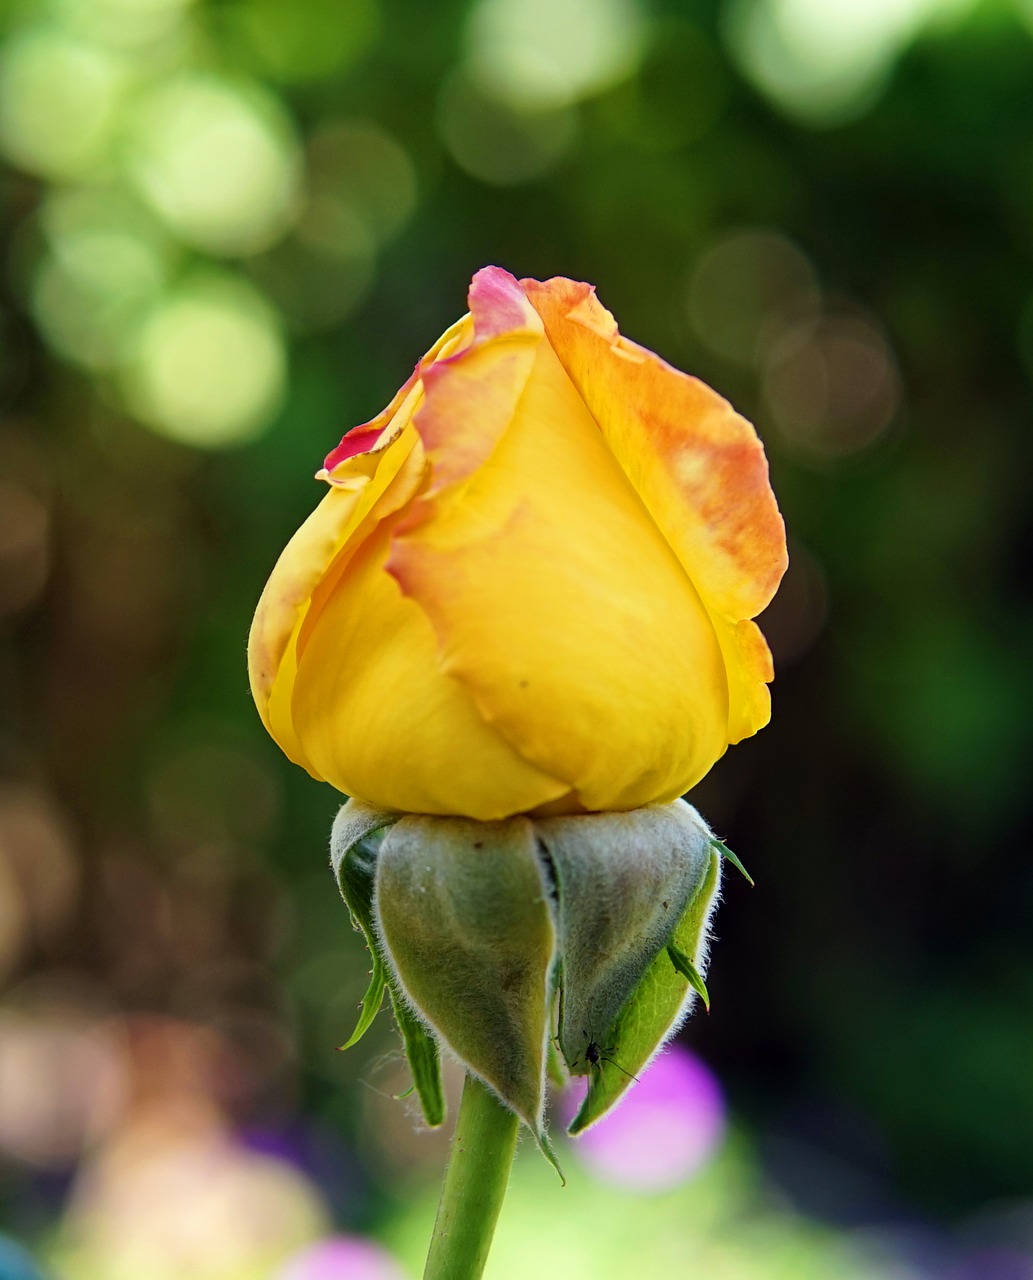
[(474, 1187)]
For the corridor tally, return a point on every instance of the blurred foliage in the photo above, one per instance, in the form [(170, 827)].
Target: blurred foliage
[(231, 227)]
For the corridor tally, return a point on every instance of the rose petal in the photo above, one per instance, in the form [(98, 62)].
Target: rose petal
[(379, 718), (475, 389), (750, 671), (697, 464), (698, 467), (361, 496), (555, 599), (362, 438)]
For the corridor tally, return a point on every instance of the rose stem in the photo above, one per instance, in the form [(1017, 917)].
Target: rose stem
[(475, 1184)]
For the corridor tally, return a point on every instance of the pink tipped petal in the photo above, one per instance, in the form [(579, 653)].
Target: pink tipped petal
[(471, 396), (499, 305), (363, 438), (357, 441)]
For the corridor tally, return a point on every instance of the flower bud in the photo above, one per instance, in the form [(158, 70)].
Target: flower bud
[(548, 526)]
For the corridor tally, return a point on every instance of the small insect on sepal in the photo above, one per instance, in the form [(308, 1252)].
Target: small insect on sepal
[(657, 1007), (595, 1055)]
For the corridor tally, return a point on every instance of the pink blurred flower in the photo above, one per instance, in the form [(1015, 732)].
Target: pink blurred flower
[(342, 1258), (665, 1130)]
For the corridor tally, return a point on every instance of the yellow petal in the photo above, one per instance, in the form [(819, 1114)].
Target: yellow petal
[(749, 670), (695, 463), (380, 720), (366, 489), (555, 598)]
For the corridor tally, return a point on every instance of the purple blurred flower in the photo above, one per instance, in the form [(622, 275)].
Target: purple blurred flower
[(993, 1263), (665, 1130), (342, 1258)]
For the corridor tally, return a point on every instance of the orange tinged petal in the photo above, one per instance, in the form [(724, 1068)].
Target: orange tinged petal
[(697, 465), (555, 599)]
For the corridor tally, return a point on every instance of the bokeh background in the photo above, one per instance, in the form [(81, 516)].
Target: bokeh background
[(229, 229)]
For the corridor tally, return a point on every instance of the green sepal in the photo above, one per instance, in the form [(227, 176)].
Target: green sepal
[(463, 915), (357, 836), (725, 852), (654, 1011), (623, 882), (354, 844), (549, 1152), (421, 1049), (685, 966)]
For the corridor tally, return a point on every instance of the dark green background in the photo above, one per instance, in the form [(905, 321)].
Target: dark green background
[(873, 996)]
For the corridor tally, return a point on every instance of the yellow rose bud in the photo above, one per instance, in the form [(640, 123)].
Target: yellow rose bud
[(530, 584)]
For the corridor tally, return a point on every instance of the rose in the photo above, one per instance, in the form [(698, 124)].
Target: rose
[(530, 585)]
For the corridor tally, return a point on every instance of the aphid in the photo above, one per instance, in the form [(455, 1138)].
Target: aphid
[(595, 1054)]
